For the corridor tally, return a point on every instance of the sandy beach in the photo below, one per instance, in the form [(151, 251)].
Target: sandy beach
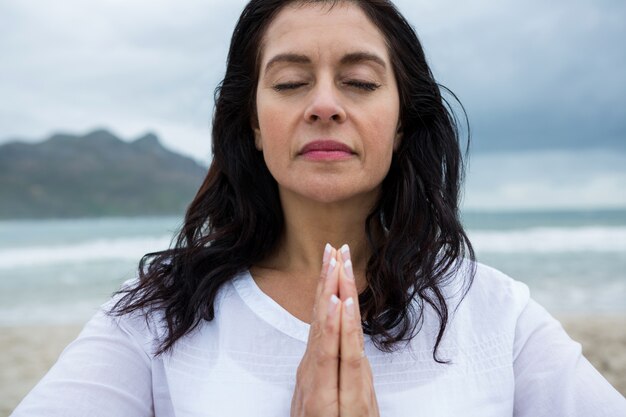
[(28, 352)]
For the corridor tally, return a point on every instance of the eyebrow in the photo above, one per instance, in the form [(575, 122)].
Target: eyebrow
[(348, 59), (358, 57), (287, 58)]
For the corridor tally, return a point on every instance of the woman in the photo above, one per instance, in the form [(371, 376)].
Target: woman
[(329, 127)]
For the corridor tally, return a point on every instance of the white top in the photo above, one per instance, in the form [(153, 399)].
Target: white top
[(509, 358)]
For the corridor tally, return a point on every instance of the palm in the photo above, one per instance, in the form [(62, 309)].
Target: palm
[(334, 379)]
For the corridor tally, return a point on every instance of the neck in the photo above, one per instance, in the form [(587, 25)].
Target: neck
[(309, 225)]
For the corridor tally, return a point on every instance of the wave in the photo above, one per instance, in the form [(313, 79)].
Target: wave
[(28, 313), (550, 240), (533, 240), (130, 249)]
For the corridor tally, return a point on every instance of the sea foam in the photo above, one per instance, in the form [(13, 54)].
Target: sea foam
[(95, 250), (532, 240), (550, 240)]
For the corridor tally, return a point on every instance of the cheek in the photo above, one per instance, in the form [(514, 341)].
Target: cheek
[(381, 134), (272, 128), (383, 128), (275, 141)]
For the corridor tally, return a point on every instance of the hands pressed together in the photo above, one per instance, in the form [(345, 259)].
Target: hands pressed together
[(334, 377)]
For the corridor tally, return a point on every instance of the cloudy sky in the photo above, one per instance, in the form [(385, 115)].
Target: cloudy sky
[(534, 76)]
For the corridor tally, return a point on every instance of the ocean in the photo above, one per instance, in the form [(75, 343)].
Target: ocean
[(61, 271)]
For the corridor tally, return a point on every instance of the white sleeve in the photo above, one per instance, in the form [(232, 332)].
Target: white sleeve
[(552, 377), (104, 372)]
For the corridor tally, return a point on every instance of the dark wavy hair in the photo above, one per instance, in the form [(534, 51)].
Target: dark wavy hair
[(235, 219)]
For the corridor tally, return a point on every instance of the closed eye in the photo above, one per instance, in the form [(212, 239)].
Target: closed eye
[(287, 86), (363, 85)]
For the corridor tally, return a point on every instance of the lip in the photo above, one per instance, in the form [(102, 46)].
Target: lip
[(326, 150)]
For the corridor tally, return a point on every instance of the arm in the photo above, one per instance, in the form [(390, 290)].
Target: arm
[(104, 372), (552, 377)]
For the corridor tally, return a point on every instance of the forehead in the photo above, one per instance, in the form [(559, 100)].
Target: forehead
[(316, 28)]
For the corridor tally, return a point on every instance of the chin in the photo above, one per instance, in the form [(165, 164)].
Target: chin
[(333, 193)]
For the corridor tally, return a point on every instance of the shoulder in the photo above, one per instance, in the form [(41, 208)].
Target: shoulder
[(498, 289), (486, 290), (109, 363), (488, 308), (146, 327), (141, 328)]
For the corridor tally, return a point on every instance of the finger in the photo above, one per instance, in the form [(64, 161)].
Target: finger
[(352, 373), (324, 335), (347, 283), (329, 252), (345, 252), (323, 347), (327, 285), (320, 330), (347, 288), (318, 372)]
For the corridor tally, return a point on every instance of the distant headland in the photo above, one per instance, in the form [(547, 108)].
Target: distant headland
[(95, 175)]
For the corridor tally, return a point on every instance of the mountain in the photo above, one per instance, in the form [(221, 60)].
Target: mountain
[(97, 174)]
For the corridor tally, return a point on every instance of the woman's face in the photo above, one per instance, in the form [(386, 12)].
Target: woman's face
[(327, 103)]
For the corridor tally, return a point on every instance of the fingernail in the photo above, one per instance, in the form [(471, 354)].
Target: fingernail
[(345, 251), (349, 303), (331, 267), (332, 306), (327, 250), (347, 266)]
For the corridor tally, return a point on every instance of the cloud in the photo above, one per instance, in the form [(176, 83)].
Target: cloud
[(546, 180), (131, 66), (531, 74)]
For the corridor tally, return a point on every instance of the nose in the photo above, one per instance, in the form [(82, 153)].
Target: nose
[(325, 105)]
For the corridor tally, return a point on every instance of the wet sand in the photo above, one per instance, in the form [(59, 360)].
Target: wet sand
[(26, 353)]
